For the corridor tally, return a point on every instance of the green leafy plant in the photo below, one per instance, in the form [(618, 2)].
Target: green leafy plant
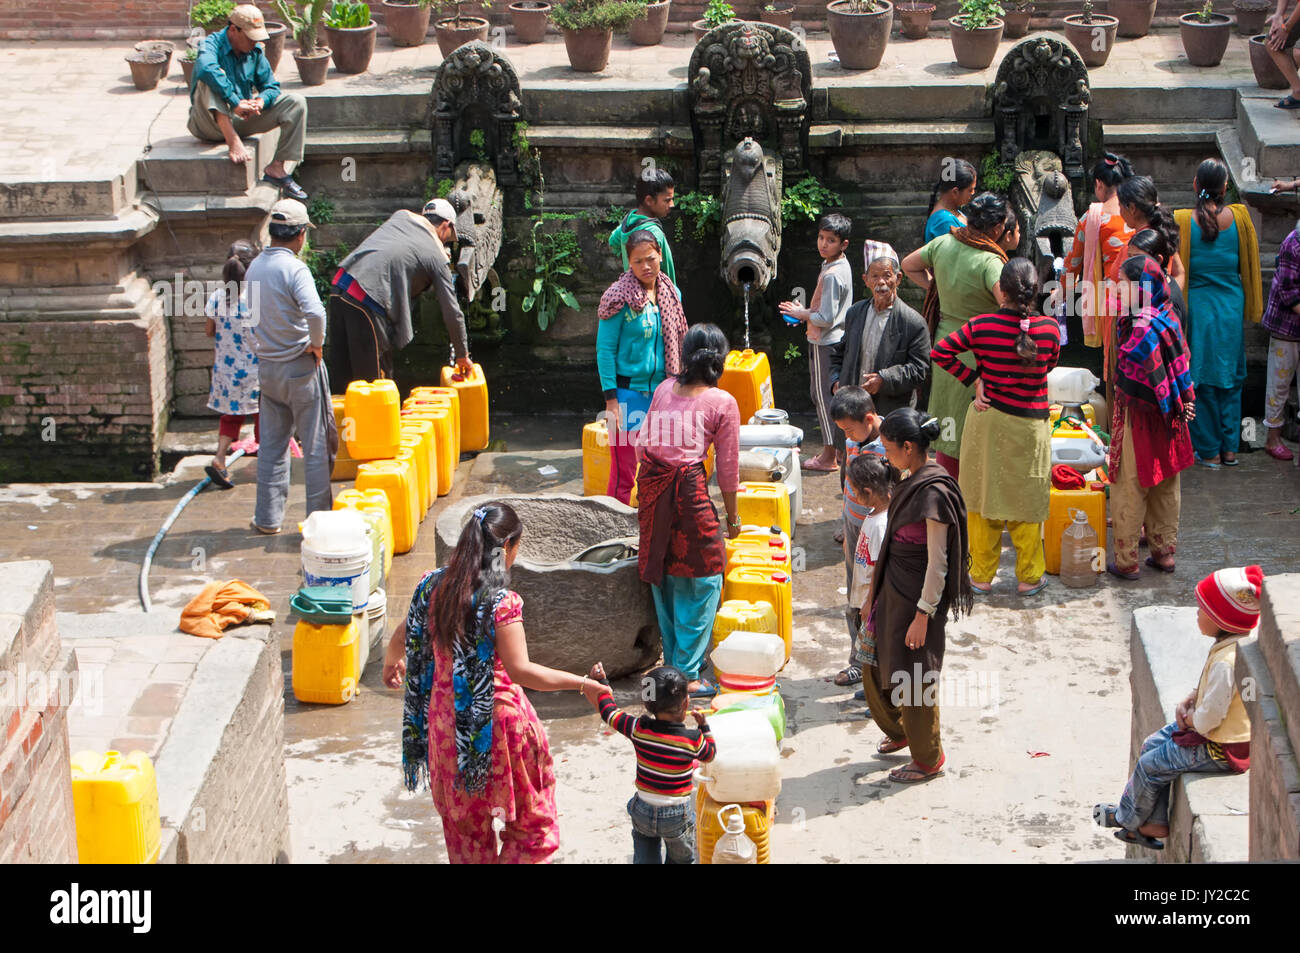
[(703, 210), (718, 12), (806, 199), (1087, 12), (208, 13), (596, 14), (996, 175), (555, 256), (1022, 4), (861, 6), (323, 265), (454, 7), (191, 55), (1206, 12), (348, 16), (792, 353), (305, 21), (321, 211), (979, 13), (478, 142)]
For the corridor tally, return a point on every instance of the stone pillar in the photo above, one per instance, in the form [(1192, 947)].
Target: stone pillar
[(37, 824)]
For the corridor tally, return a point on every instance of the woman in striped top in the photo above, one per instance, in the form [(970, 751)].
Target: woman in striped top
[(667, 752), (1006, 445)]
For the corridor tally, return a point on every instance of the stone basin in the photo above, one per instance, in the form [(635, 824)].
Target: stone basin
[(575, 613)]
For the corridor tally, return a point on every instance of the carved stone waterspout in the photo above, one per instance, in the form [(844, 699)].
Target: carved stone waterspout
[(478, 203), (751, 216)]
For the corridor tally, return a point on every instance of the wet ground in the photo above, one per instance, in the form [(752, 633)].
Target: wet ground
[(1035, 710)]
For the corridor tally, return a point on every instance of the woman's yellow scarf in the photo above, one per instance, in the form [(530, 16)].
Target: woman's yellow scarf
[(1247, 253)]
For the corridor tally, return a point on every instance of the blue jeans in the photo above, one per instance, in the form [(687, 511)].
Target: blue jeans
[(1146, 796), (675, 826)]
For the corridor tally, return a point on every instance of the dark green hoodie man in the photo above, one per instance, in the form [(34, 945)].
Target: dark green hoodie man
[(654, 196)]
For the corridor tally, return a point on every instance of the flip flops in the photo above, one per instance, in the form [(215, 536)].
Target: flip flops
[(1151, 561), (220, 477), (288, 187), (1114, 570), (852, 675), (1135, 837), (1036, 588), (1230, 463), (886, 746), (1288, 102), (812, 464), (975, 588), (705, 691), (913, 774)]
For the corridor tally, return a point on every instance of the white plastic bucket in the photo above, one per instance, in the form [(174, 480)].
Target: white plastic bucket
[(348, 571), (376, 623)]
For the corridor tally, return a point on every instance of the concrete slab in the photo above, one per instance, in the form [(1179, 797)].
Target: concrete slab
[(1270, 135)]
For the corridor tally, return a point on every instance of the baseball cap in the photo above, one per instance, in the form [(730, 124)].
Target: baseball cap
[(290, 212), (441, 208), (249, 20)]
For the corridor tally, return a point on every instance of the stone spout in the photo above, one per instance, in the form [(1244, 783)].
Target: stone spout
[(751, 217), (477, 200)]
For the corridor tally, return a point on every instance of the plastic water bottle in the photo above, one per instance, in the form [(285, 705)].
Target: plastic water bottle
[(734, 846), (1078, 544)]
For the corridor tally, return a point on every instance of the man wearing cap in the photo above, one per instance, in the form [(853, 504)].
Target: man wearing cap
[(370, 305), (288, 324), (235, 94), (885, 348)]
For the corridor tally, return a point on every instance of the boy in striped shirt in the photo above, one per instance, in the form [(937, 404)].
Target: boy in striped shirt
[(667, 752)]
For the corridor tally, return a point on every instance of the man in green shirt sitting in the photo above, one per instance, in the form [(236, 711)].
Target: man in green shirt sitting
[(235, 94), (654, 200)]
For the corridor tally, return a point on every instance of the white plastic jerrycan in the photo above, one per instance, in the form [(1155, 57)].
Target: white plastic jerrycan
[(734, 846)]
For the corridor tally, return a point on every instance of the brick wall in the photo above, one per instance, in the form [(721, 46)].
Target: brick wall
[(132, 19), (37, 823)]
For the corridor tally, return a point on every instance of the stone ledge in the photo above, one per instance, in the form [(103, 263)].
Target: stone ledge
[(124, 228), (1274, 771), (367, 141), (1208, 819), (1279, 643)]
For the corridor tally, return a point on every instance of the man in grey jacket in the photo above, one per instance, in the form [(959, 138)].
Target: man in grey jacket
[(886, 347), (288, 324)]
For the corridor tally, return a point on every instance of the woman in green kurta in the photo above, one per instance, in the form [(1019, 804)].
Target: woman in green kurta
[(964, 267)]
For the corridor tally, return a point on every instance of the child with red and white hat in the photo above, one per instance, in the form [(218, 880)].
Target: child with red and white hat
[(1211, 730)]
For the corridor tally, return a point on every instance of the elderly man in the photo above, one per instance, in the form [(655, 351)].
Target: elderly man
[(235, 94), (885, 348), (370, 303)]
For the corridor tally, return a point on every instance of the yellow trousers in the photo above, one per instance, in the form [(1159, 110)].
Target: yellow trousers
[(986, 548)]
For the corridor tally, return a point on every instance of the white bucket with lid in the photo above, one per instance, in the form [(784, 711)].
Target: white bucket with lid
[(336, 552), (376, 623)]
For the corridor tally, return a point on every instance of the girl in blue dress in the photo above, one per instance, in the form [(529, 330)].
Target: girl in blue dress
[(234, 392)]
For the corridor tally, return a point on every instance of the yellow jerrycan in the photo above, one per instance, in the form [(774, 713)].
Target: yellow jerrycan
[(747, 377), (424, 429), (711, 825), (447, 396), (374, 506), (764, 504), (764, 584), (115, 803), (325, 662), (595, 459), (398, 481), (370, 420), (444, 437), (345, 465), (739, 615), (1091, 500), (473, 406)]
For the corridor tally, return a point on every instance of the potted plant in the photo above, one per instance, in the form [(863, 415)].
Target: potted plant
[(1205, 35), (779, 13), (860, 31), (648, 29), (529, 18), (305, 21), (1092, 34), (1017, 18), (187, 65), (976, 32), (166, 47), (407, 21), (1251, 15), (716, 13), (351, 34), (1134, 16), (273, 45), (1267, 75), (146, 67), (588, 27), (458, 29), (916, 18), (210, 15)]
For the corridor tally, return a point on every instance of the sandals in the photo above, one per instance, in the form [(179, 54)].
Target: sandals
[(1114, 570), (1230, 463), (887, 746), (985, 590), (1209, 464), (812, 464), (851, 675), (1151, 561), (1287, 102), (288, 187), (914, 774), (705, 691), (1104, 815), (220, 477), (1036, 588), (1279, 452), (1136, 837)]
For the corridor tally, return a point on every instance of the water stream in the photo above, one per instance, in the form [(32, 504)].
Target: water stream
[(747, 315)]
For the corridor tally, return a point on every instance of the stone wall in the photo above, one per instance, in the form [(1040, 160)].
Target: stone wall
[(37, 824)]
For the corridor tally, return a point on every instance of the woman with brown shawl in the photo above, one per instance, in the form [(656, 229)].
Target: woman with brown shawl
[(921, 575)]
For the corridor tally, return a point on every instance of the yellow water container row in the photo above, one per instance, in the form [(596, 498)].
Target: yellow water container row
[(747, 377), (739, 615), (444, 437), (374, 506), (764, 584), (325, 662), (757, 539), (420, 457), (345, 465), (709, 826), (438, 397), (370, 420), (764, 504), (1092, 500), (427, 434), (115, 803), (474, 432), (398, 481)]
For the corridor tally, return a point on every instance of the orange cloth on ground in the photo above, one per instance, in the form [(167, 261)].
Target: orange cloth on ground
[(223, 604)]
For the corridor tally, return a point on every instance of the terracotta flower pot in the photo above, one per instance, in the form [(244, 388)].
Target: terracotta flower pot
[(273, 46), (1205, 43), (146, 68), (1017, 22), (649, 29), (166, 47), (859, 38), (701, 29), (915, 19), (1134, 16), (1267, 75), (312, 69), (530, 18), (187, 70), (406, 23), (352, 47), (1251, 15), (588, 49), (975, 49), (451, 36), (1094, 40), (782, 16)]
